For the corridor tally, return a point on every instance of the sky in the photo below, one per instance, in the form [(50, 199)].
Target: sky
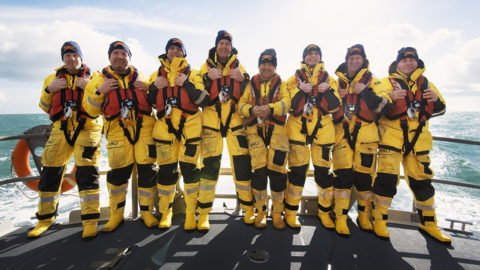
[(445, 33)]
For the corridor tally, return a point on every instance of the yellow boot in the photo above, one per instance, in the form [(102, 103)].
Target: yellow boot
[(260, 203), (117, 196), (191, 199), (278, 222), (428, 223), (380, 216), (166, 220), (146, 198), (342, 200), (166, 194), (90, 210), (249, 218), (261, 220), (47, 210), (203, 222), (325, 198), (292, 200), (364, 208), (206, 196)]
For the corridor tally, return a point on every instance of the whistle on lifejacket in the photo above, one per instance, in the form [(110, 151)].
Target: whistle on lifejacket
[(260, 121), (308, 107), (414, 106)]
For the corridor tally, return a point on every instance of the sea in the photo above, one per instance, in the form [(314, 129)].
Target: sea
[(450, 161)]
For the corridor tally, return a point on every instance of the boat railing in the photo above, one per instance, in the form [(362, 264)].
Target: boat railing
[(39, 135)]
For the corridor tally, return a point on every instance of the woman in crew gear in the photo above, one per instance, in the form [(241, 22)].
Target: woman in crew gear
[(405, 138), (314, 96), (74, 132), (177, 91), (120, 94), (356, 137), (265, 104), (225, 79)]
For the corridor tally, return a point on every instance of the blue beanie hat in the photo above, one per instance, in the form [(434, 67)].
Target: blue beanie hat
[(71, 47), (222, 34), (176, 42), (356, 49), (119, 45), (311, 48), (268, 56), (407, 52)]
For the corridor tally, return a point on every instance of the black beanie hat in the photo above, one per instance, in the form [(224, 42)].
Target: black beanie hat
[(356, 49), (311, 48), (71, 47), (222, 34), (268, 56), (119, 45), (176, 42), (407, 52)]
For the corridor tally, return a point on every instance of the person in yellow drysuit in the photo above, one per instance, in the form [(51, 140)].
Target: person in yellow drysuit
[(177, 91), (265, 104), (74, 132), (120, 94), (314, 96), (224, 79), (356, 137), (405, 138)]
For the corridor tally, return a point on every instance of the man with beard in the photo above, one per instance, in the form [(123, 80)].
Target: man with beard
[(120, 94)]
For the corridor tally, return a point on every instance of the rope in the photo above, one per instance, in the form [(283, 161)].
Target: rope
[(11, 175)]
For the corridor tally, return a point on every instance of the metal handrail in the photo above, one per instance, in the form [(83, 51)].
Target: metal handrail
[(223, 171)]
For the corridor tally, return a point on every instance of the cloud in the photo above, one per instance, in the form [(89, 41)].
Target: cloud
[(452, 90), (30, 53), (3, 98)]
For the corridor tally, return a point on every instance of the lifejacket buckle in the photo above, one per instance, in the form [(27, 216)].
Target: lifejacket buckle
[(67, 110), (348, 111), (170, 103), (414, 106), (224, 94)]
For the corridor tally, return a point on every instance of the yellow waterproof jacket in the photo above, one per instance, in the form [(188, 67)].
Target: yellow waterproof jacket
[(391, 132), (368, 131), (209, 113), (191, 96), (46, 99), (279, 108), (324, 135), (94, 100)]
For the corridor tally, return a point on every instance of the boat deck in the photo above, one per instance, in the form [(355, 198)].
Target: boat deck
[(230, 244)]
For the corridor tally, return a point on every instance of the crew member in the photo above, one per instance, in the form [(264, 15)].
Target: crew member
[(265, 104), (356, 137), (405, 138), (177, 91), (314, 96), (120, 94), (225, 79), (74, 132)]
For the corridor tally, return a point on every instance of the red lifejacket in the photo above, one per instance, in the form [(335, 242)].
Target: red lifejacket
[(272, 93), (141, 104), (401, 106), (321, 103), (361, 109), (217, 85), (180, 93), (75, 95)]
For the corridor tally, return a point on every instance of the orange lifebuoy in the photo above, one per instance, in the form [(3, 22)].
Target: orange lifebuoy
[(21, 165)]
